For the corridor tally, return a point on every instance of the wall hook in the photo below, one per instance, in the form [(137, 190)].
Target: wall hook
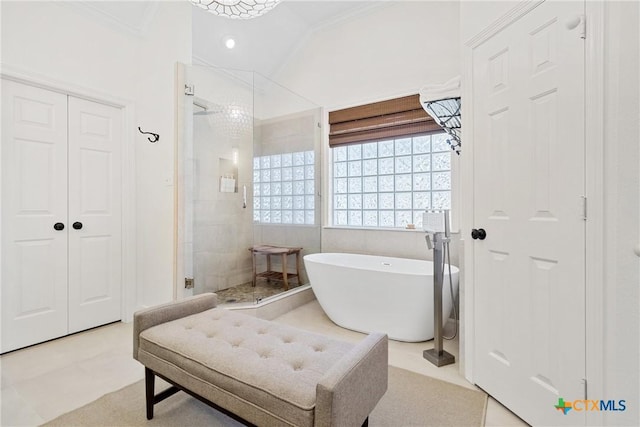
[(154, 138)]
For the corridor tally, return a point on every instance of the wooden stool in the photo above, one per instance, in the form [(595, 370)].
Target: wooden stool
[(269, 274)]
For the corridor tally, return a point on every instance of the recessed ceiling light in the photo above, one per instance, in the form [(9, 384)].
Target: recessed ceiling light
[(229, 42)]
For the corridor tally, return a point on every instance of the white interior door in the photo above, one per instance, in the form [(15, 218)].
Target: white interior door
[(95, 248), (34, 199), (61, 215), (529, 272)]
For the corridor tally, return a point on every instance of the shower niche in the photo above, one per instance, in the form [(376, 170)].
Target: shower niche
[(249, 179), (228, 176)]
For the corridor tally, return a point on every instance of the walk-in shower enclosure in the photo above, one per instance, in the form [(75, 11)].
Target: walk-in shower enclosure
[(248, 174)]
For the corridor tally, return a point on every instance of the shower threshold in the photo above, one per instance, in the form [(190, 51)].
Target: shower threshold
[(246, 293)]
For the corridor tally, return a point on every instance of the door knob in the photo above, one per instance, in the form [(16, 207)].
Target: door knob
[(58, 226), (478, 234), (77, 225)]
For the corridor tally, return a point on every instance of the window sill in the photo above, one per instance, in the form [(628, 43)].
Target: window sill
[(279, 224), (401, 230)]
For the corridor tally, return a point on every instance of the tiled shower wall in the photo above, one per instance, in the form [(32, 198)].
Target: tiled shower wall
[(222, 228)]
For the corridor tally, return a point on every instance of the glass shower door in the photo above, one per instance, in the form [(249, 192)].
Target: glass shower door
[(250, 193)]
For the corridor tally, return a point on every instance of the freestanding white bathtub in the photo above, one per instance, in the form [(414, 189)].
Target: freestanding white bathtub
[(369, 293)]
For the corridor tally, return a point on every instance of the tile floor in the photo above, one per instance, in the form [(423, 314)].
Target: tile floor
[(246, 292), (44, 381)]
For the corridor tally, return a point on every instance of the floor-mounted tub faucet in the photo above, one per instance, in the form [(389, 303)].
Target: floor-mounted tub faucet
[(436, 227)]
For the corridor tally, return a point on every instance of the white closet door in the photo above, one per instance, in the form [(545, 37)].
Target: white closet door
[(95, 248), (529, 272), (34, 199)]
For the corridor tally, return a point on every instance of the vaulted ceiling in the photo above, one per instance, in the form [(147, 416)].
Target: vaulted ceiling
[(264, 44)]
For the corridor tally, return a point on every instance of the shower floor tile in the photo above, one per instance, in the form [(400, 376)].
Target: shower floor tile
[(247, 293)]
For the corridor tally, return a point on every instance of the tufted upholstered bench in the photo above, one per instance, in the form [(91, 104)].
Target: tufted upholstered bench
[(257, 371)]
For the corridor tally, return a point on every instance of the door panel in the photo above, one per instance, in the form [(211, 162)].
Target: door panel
[(528, 101), (34, 198), (95, 254)]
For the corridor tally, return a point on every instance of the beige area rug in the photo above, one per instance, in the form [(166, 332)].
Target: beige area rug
[(411, 400)]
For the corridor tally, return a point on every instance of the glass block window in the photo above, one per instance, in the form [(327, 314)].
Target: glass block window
[(390, 183), (284, 188)]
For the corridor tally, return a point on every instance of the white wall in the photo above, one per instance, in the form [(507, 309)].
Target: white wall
[(476, 15), (78, 47), (390, 50), (622, 210)]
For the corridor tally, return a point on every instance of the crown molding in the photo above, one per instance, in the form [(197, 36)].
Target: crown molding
[(520, 10)]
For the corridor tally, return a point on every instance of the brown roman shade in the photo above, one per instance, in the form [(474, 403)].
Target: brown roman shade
[(380, 120)]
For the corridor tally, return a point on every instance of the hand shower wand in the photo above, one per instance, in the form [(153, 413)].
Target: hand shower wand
[(436, 225)]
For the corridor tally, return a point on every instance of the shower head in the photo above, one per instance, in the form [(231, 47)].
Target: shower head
[(206, 109)]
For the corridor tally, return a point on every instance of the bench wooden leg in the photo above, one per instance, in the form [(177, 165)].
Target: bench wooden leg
[(151, 397), (253, 259), (149, 383), (268, 267), (149, 379), (285, 275)]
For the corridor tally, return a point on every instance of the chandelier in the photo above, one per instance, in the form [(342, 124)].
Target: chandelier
[(237, 9)]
